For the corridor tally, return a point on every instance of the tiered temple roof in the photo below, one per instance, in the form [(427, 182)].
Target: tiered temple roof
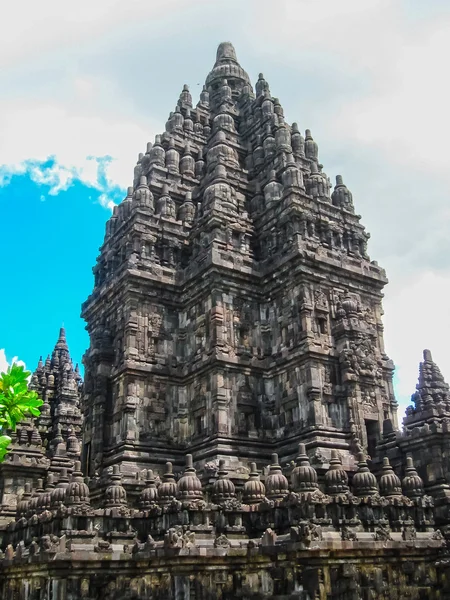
[(235, 435)]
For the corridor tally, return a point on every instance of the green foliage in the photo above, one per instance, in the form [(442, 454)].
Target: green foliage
[(16, 402)]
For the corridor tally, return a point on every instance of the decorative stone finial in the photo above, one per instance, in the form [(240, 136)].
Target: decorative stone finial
[(297, 141), (189, 486), (167, 490), (223, 487), (341, 196), (204, 97), (186, 213), (24, 502), (364, 482), (390, 484), (412, 483), (432, 389), (149, 494), (254, 489), (34, 502), (187, 163), (58, 495), (115, 494), (172, 157), (311, 148), (336, 479), (61, 344), (226, 52), (185, 97), (44, 500), (304, 476), (73, 444), (262, 87), (77, 492), (277, 486), (227, 66), (36, 439)]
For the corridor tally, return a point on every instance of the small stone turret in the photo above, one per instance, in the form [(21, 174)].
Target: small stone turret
[(45, 500), (226, 67), (185, 97), (341, 196), (304, 476), (187, 163), (204, 97), (364, 482), (297, 141), (165, 206), (336, 478), (186, 212), (167, 490), (172, 157), (157, 153), (115, 494), (277, 486), (223, 487), (262, 87), (58, 496), (412, 484), (73, 443), (431, 387), (311, 148), (35, 438), (34, 502), (390, 484), (254, 489), (77, 492), (143, 196), (189, 486), (149, 494), (23, 505)]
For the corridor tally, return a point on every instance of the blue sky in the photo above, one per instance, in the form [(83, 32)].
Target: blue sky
[(84, 87), (51, 241)]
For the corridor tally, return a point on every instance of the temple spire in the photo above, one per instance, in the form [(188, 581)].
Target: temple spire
[(226, 67), (226, 53), (62, 342), (431, 387)]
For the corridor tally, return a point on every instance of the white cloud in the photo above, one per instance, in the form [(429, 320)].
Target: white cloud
[(32, 134), (368, 77), (4, 363), (394, 61), (105, 201), (404, 116), (417, 318), (52, 26), (56, 107)]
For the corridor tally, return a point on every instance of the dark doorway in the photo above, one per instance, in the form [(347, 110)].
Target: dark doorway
[(373, 435)]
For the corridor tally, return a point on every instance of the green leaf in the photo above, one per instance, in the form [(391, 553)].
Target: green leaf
[(5, 440), (16, 401)]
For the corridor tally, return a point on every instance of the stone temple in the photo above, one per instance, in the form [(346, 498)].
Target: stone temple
[(235, 435)]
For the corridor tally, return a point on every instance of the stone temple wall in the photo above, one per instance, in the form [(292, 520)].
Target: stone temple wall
[(235, 435)]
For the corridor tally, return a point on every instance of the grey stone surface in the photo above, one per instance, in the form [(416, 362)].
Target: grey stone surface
[(236, 432)]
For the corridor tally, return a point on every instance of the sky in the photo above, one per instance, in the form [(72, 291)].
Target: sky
[(84, 86)]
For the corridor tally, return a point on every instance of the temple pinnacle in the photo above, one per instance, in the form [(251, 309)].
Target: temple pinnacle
[(227, 67), (226, 52)]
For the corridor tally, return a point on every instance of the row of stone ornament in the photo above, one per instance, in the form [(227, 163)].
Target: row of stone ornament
[(189, 487)]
